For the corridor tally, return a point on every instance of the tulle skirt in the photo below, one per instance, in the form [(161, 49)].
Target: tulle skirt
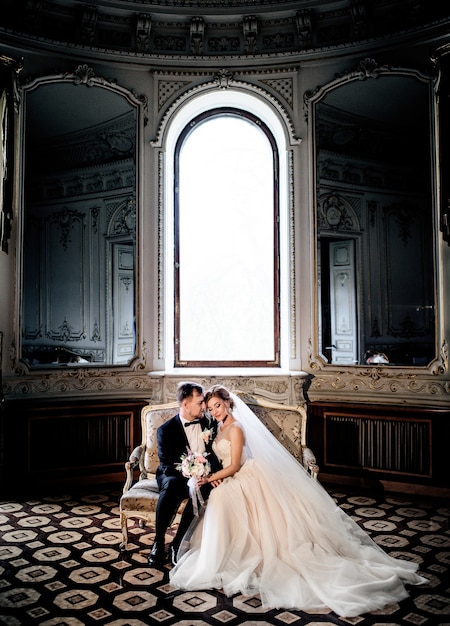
[(304, 553)]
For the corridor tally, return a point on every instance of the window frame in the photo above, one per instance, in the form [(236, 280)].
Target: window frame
[(187, 129)]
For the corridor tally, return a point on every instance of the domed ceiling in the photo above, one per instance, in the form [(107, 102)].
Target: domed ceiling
[(214, 28)]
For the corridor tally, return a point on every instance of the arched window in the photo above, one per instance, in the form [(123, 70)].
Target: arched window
[(226, 236)]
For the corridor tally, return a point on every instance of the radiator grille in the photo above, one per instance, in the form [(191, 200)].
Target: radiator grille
[(386, 445), (76, 442)]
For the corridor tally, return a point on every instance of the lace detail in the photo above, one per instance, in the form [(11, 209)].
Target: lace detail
[(222, 449)]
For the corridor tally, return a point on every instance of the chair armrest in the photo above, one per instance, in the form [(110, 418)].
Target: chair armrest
[(133, 462), (136, 455)]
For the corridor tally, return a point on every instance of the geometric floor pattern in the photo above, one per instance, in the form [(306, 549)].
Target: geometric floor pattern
[(61, 565)]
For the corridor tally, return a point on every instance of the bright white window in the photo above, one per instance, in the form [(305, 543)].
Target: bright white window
[(226, 242)]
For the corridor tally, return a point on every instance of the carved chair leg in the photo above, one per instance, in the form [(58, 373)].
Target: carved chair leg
[(124, 527)]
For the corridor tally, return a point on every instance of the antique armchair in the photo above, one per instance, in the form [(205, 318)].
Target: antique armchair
[(139, 497)]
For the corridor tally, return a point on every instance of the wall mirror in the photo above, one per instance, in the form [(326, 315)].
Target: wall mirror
[(9, 70), (373, 142), (79, 164)]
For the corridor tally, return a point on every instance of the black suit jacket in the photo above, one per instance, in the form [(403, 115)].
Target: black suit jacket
[(173, 443)]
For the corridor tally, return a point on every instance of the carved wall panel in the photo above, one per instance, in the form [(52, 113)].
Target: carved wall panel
[(392, 232), (68, 283)]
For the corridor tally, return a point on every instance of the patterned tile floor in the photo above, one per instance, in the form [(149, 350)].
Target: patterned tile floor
[(60, 564)]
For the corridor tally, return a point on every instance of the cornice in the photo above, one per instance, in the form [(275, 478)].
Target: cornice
[(221, 6), (205, 31), (436, 34)]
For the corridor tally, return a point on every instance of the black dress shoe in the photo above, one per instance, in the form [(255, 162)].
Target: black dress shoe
[(157, 555)]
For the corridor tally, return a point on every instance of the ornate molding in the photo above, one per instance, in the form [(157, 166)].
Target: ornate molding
[(395, 384), (167, 88), (376, 384), (160, 267), (123, 220), (335, 213), (86, 382), (65, 333), (199, 28), (79, 381), (287, 389), (284, 87), (224, 79), (84, 74), (366, 69), (292, 259), (105, 177)]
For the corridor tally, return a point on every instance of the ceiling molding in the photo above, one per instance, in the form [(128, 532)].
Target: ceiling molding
[(212, 29)]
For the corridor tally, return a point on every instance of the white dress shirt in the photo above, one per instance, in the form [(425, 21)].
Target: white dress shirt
[(194, 436)]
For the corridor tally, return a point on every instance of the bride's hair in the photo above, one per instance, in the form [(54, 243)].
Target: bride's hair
[(219, 391)]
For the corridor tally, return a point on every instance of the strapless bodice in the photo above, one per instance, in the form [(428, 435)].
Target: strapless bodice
[(222, 449)]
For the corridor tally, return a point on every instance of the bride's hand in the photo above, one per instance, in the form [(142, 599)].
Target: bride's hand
[(203, 480), (215, 482)]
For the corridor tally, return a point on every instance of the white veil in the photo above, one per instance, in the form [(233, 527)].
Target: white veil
[(261, 444), (297, 493)]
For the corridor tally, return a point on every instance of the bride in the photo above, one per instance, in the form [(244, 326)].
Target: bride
[(269, 529)]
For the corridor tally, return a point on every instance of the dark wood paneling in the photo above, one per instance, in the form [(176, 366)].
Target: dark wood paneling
[(393, 446), (68, 444)]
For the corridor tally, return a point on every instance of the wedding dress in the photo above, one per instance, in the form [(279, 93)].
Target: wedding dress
[(274, 531)]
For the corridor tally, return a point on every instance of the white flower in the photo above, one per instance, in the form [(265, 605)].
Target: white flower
[(207, 434)]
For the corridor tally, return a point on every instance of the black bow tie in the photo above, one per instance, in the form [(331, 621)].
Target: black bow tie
[(191, 423)]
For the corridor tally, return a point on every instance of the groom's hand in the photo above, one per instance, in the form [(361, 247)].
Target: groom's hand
[(205, 480)]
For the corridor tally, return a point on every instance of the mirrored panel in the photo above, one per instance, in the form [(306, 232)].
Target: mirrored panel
[(375, 219), (78, 304), (9, 70)]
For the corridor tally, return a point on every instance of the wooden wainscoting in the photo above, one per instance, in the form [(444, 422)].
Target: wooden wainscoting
[(68, 444), (399, 448)]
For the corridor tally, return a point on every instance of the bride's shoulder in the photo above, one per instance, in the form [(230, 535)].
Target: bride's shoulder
[(236, 425)]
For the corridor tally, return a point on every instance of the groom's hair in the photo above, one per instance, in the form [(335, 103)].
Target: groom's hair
[(185, 390)]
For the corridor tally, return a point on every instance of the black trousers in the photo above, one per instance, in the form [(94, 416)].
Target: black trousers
[(172, 491)]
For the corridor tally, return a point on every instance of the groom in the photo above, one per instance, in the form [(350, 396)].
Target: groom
[(185, 430)]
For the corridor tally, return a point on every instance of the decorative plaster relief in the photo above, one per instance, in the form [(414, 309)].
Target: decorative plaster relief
[(87, 382), (369, 383)]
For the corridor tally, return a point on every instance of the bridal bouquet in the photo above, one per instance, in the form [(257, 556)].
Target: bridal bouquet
[(194, 465)]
